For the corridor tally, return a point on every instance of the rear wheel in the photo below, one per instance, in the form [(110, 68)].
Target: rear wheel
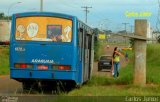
[(47, 86), (30, 86), (26, 85)]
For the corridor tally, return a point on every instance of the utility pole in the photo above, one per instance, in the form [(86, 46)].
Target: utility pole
[(86, 11), (140, 53), (125, 25), (41, 5)]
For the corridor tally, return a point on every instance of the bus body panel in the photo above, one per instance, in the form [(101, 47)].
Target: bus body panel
[(56, 54), (41, 74)]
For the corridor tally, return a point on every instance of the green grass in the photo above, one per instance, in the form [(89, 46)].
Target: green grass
[(4, 60), (123, 86), (124, 79), (153, 63), (116, 90)]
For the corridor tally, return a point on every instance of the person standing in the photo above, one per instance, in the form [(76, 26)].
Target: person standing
[(116, 61), (126, 56)]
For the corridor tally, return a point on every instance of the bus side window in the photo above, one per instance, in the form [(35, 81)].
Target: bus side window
[(80, 32), (80, 37)]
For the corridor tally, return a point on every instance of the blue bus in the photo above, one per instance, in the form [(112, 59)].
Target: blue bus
[(48, 47)]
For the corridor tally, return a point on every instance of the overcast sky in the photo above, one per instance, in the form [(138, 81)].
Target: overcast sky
[(105, 14)]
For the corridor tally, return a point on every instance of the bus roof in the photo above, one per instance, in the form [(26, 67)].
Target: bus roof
[(43, 14)]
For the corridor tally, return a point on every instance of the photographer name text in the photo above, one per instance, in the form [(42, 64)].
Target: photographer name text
[(141, 99)]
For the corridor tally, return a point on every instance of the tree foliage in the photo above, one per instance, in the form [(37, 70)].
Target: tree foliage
[(3, 17)]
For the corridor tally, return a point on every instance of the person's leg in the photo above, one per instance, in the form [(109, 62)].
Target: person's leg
[(115, 69), (118, 68)]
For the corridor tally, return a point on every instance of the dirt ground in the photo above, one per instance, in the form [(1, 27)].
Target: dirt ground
[(9, 86)]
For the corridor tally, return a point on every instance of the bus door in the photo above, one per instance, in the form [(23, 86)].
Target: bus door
[(85, 42), (86, 57), (90, 55)]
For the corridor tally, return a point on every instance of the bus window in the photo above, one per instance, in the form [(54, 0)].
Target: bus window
[(43, 29), (80, 39), (54, 32)]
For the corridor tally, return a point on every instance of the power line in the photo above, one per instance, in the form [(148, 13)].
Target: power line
[(86, 11)]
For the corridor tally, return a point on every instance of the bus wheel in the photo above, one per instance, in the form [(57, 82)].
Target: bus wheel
[(27, 87)]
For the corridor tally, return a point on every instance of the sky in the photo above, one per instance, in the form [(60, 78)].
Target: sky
[(104, 14)]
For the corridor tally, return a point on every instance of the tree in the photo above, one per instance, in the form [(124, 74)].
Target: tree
[(1, 15)]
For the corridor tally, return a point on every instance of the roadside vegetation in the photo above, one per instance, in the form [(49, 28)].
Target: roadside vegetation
[(98, 49), (4, 60), (153, 63)]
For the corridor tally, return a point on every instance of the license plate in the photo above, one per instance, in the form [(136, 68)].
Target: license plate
[(42, 67)]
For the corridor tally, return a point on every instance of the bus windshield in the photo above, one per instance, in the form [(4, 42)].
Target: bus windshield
[(43, 29)]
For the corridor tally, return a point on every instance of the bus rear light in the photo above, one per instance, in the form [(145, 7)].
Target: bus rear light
[(42, 67), (23, 65), (61, 67)]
